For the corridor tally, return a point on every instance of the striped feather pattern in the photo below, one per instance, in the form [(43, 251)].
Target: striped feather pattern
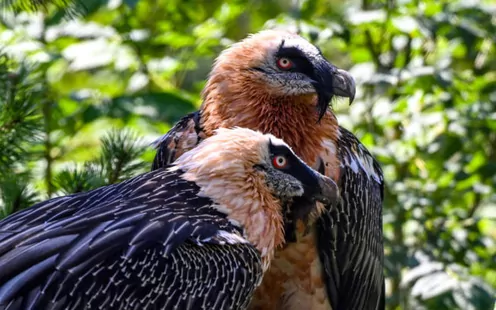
[(147, 243), (349, 236), (353, 231)]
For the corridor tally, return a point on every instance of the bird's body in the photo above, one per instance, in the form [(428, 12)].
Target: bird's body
[(337, 264), (120, 217), (197, 235)]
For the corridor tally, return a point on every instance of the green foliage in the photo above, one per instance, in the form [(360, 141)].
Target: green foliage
[(25, 112), (120, 159), (19, 122), (19, 133), (74, 180), (119, 153), (427, 112), (425, 107), (65, 8), (15, 194)]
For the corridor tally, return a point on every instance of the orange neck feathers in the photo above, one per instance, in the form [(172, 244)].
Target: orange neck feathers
[(239, 102)]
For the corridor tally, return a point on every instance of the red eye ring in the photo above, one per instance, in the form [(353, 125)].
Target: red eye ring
[(284, 63), (279, 162)]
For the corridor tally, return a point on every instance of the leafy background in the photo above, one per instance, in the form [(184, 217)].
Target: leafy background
[(85, 87)]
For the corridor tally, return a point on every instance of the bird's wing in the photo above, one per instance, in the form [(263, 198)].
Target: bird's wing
[(148, 240), (184, 136), (349, 236)]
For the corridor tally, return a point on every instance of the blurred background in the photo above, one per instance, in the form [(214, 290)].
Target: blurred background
[(85, 87)]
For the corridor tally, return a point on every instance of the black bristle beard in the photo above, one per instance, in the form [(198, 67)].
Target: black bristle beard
[(299, 208), (323, 100)]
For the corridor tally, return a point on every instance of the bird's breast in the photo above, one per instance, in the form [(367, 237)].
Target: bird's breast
[(294, 279)]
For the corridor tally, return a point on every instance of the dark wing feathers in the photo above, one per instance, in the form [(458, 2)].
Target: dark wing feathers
[(94, 245), (349, 236), (185, 135), (352, 231)]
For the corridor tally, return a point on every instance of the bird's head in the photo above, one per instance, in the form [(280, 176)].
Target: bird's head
[(281, 64), (251, 176)]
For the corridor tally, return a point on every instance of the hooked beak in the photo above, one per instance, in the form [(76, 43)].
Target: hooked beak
[(321, 189), (317, 187), (331, 81)]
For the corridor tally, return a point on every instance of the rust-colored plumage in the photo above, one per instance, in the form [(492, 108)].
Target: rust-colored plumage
[(237, 95), (330, 261)]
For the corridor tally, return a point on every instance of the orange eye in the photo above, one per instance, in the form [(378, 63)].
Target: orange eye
[(284, 63), (279, 162)]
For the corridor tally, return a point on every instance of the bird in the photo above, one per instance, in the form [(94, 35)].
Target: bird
[(275, 81), (197, 234)]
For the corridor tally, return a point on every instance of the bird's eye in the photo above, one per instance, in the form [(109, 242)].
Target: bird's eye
[(284, 63), (279, 162)]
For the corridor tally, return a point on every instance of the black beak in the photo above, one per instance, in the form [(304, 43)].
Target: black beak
[(317, 187), (321, 188), (329, 82)]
